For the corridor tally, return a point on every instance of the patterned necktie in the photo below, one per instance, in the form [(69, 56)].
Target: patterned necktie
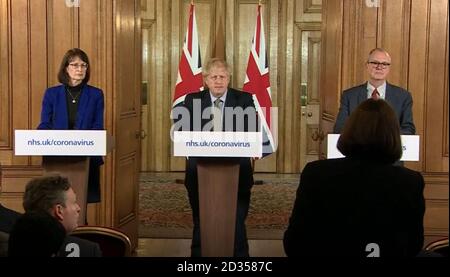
[(375, 95), (217, 112)]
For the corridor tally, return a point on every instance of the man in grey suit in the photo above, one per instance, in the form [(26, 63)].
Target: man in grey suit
[(378, 66)]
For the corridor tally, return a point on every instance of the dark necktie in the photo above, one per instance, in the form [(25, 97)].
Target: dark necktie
[(375, 95)]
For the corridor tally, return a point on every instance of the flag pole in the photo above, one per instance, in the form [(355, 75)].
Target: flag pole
[(259, 2), (192, 2)]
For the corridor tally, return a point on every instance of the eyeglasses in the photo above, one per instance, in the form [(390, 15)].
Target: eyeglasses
[(376, 64), (77, 65)]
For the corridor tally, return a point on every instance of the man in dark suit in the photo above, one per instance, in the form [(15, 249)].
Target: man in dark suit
[(217, 77), (378, 66), (54, 195)]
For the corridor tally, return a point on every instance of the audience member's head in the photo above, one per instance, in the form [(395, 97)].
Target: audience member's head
[(36, 234), (372, 132), (54, 195)]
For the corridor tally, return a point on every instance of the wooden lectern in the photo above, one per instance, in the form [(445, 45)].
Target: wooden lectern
[(65, 152), (76, 169), (218, 156), (218, 180)]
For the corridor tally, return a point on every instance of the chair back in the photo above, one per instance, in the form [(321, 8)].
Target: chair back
[(112, 242), (439, 246)]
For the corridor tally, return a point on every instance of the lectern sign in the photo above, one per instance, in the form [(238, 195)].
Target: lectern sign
[(60, 143), (218, 144), (410, 145)]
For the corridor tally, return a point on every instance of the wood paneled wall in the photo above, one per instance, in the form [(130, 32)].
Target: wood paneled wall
[(415, 33), (34, 35)]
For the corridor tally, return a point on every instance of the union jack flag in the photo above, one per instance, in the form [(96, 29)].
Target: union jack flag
[(257, 82), (190, 68)]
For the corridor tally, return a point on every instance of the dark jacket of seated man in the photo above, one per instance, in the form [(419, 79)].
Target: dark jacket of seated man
[(4, 237), (7, 219)]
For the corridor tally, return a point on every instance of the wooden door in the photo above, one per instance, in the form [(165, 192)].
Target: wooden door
[(127, 125)]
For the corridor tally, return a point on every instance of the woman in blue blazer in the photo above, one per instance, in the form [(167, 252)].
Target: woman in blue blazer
[(75, 105)]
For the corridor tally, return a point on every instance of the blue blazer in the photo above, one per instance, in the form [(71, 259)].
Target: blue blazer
[(54, 114), (399, 99)]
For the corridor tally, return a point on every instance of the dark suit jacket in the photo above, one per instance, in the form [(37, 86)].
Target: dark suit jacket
[(233, 99), (4, 238), (86, 248), (344, 204), (399, 99), (7, 219), (54, 115)]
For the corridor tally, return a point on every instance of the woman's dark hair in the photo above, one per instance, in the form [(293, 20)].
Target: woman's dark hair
[(70, 55), (36, 234), (372, 132)]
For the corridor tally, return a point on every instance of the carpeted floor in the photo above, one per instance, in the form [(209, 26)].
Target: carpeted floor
[(165, 211)]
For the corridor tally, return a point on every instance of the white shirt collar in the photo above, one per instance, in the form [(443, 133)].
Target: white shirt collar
[(381, 90), (223, 97)]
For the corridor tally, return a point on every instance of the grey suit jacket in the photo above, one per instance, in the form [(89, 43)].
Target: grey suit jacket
[(399, 99)]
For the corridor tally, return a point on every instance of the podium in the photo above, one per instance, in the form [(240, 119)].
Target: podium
[(65, 152), (218, 157), (218, 180)]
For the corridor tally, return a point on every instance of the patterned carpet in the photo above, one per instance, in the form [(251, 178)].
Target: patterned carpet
[(165, 211)]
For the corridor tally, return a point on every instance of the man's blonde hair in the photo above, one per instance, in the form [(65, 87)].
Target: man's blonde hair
[(215, 62), (378, 49)]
